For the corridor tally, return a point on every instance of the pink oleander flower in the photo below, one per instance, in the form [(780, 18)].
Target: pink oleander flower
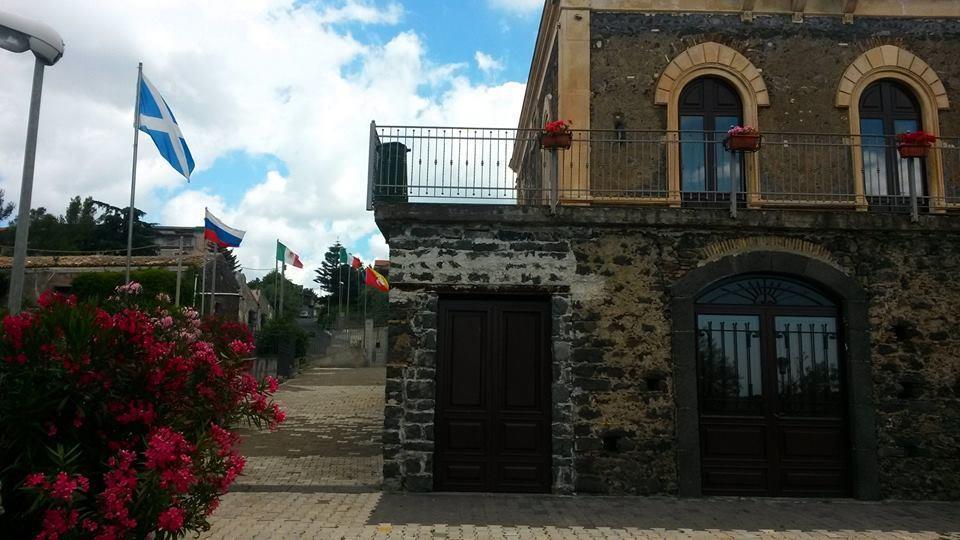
[(129, 288), (171, 519), (35, 480), (241, 348), (57, 522)]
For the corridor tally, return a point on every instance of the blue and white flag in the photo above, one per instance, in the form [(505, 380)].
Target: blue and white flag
[(156, 119)]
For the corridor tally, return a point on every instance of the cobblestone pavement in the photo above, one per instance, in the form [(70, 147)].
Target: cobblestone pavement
[(318, 477)]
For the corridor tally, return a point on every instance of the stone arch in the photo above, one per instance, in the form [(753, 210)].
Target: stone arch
[(852, 299), (718, 60), (892, 62)]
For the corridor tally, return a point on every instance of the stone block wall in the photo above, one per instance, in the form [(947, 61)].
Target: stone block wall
[(610, 273), (801, 63)]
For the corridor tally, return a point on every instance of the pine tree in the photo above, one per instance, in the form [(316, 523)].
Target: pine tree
[(6, 208), (231, 259)]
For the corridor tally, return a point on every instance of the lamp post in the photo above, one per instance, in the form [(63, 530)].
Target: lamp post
[(18, 35)]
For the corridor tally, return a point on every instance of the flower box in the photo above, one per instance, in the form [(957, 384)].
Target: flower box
[(915, 144), (556, 140), (913, 150), (743, 143)]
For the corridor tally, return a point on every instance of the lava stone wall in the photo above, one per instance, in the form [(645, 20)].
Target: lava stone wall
[(802, 63), (610, 272)]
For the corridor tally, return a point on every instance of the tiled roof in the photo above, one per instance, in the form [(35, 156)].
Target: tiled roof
[(102, 261)]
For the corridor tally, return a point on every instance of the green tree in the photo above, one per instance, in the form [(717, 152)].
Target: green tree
[(231, 259), (292, 293), (86, 225), (342, 283), (6, 208)]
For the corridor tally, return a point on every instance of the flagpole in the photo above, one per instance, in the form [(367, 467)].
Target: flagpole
[(339, 284), (203, 279), (349, 279), (276, 282), (283, 278), (213, 279), (179, 269), (133, 174)]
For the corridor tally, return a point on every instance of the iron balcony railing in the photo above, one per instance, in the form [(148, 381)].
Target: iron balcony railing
[(687, 168)]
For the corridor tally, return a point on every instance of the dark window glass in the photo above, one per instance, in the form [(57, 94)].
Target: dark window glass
[(808, 366), (886, 109), (729, 371), (708, 108)]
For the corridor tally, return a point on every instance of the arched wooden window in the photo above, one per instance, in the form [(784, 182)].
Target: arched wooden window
[(887, 108), (708, 107)]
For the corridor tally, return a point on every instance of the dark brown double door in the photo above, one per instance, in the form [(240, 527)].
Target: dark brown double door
[(493, 396), (771, 395)]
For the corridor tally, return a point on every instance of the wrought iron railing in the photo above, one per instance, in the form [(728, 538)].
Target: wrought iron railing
[(688, 168)]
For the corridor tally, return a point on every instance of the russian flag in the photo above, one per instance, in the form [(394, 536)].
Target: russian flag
[(218, 233)]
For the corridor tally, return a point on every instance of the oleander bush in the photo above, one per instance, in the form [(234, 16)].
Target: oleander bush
[(119, 420)]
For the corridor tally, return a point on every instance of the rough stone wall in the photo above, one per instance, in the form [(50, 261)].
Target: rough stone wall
[(427, 260), (802, 63), (609, 271)]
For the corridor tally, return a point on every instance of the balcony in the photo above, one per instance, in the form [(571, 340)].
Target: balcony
[(454, 165)]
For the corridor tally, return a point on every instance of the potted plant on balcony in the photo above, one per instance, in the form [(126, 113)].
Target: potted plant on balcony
[(556, 134), (742, 139), (914, 144)]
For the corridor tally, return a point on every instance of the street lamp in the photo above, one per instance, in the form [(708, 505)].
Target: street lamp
[(21, 35)]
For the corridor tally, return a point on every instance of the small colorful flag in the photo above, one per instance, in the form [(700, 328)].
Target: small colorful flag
[(343, 256), (219, 233), (355, 262), (376, 280), (288, 257)]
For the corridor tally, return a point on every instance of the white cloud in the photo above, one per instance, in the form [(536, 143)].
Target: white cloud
[(362, 12), (487, 63), (259, 76), (518, 7)]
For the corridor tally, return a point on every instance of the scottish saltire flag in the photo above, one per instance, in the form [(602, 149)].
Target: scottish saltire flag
[(156, 119), (219, 233)]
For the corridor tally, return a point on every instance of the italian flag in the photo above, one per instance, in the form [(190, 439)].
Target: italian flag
[(288, 257)]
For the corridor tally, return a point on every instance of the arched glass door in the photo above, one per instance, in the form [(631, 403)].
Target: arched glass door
[(708, 108), (770, 388), (888, 108)]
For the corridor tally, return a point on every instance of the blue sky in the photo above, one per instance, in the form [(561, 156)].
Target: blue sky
[(452, 32), (273, 97)]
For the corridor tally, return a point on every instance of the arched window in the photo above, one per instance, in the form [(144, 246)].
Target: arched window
[(708, 107), (887, 108)]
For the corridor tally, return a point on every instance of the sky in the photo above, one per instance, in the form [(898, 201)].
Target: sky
[(274, 99)]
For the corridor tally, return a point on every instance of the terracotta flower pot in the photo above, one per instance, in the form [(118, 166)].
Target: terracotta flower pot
[(556, 140), (913, 150), (743, 143)]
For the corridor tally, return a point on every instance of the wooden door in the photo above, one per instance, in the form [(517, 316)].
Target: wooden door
[(493, 396), (770, 384)]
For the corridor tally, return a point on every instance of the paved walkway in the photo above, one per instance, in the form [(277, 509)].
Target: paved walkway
[(318, 477)]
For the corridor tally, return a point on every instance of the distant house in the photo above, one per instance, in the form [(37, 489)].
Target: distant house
[(168, 239), (57, 273)]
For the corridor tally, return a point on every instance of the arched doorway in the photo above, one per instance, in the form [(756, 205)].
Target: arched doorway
[(708, 107), (770, 388), (854, 331)]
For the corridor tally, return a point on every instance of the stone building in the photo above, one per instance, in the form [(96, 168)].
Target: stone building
[(649, 312)]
